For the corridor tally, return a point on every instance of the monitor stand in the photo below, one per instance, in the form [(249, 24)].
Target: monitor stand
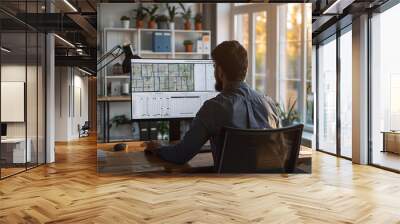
[(174, 130)]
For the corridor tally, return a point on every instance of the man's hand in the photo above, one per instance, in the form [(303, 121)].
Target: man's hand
[(152, 147)]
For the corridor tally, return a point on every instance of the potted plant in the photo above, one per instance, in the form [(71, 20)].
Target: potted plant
[(188, 45), (120, 120), (288, 116), (125, 22), (162, 22), (140, 16), (163, 129), (151, 12), (198, 22), (186, 15), (171, 13)]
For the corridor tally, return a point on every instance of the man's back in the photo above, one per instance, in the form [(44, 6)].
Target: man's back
[(238, 106)]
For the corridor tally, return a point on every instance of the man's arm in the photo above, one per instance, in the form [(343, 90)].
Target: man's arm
[(273, 114), (186, 149), (202, 127)]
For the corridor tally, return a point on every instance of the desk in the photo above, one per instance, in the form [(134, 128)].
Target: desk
[(134, 161), (391, 141), (13, 150)]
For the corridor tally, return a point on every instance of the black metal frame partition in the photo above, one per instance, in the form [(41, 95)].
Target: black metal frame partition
[(339, 32), (36, 33)]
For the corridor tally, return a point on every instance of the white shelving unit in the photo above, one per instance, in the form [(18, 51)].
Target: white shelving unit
[(142, 40)]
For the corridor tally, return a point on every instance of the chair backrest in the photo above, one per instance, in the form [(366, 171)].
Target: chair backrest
[(261, 150), (86, 125)]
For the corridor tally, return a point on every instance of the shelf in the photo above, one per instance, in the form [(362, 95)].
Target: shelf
[(155, 30), (192, 31), (118, 77), (191, 53), (113, 98), (153, 52), (119, 29)]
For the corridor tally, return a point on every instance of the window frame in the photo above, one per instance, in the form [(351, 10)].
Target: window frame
[(251, 10), (334, 37)]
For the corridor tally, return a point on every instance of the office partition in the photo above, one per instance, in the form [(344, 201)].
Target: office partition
[(22, 77)]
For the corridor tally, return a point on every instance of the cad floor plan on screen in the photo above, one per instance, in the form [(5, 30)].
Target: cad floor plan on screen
[(170, 88), (172, 75)]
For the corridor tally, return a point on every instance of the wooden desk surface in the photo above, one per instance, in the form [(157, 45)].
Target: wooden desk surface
[(134, 161)]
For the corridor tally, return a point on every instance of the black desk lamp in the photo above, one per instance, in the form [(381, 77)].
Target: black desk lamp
[(115, 53)]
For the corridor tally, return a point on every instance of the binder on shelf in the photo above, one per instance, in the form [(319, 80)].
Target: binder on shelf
[(161, 41), (144, 130), (153, 130)]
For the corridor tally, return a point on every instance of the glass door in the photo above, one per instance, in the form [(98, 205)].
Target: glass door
[(326, 110)]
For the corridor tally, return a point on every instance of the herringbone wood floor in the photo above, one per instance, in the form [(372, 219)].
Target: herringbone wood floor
[(70, 191)]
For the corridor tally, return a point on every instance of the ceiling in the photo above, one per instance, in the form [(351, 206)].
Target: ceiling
[(76, 21)]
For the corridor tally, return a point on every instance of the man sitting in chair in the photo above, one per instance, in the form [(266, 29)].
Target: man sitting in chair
[(237, 106)]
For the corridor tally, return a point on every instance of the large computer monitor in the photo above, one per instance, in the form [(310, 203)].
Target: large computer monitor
[(170, 88)]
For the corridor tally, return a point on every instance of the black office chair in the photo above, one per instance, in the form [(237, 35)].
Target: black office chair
[(261, 150), (84, 129)]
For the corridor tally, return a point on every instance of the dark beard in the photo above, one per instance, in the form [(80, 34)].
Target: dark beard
[(218, 86)]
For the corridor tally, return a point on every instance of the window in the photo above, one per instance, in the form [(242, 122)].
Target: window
[(385, 88), (242, 29), (290, 61), (289, 79), (346, 93), (260, 46), (327, 96)]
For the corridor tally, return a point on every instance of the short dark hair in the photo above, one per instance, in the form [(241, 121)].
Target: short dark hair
[(231, 56)]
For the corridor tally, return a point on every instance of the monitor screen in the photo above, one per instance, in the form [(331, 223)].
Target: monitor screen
[(3, 129), (172, 75), (170, 88)]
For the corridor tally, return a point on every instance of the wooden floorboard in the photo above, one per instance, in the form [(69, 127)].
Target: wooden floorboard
[(70, 191)]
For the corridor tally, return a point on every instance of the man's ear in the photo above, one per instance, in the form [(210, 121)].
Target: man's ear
[(220, 73)]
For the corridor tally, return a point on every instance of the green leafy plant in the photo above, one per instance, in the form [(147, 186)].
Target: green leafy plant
[(140, 12), (151, 12), (186, 12), (120, 120), (163, 128), (162, 19), (187, 42), (288, 115), (125, 18), (198, 18), (171, 13)]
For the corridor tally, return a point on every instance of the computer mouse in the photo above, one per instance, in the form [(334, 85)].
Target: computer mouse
[(120, 147)]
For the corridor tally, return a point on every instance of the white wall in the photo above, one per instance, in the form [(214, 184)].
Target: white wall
[(223, 31), (69, 82)]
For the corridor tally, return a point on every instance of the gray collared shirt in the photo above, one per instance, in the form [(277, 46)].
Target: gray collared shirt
[(238, 107)]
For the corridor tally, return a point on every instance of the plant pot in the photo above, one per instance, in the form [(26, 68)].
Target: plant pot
[(198, 26), (139, 24), (162, 25), (187, 25), (189, 47), (125, 24), (172, 26), (152, 24)]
